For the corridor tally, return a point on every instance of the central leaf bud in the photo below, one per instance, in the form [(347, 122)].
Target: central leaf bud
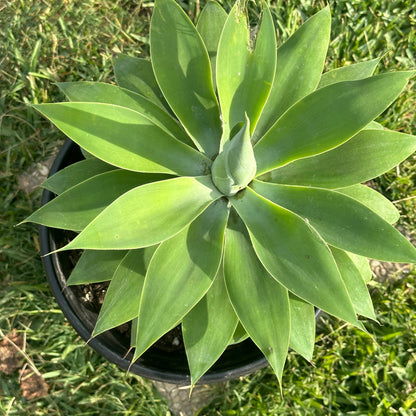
[(235, 167)]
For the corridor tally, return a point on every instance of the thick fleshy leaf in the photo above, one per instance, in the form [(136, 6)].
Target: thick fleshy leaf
[(95, 266), (78, 206), (300, 61), (208, 328), (182, 69), (244, 75), (74, 174), (352, 72), (302, 327), (261, 303), (122, 299), (124, 138), (342, 221), (210, 24), (367, 155), (327, 118), (355, 284), (294, 254), (136, 74), (148, 214), (99, 92), (180, 273), (363, 266), (373, 200)]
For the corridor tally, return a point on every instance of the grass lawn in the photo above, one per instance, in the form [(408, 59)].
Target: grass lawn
[(45, 41)]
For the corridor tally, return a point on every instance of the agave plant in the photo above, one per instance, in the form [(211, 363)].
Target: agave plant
[(222, 186)]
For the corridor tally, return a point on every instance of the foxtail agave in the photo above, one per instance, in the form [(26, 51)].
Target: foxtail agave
[(222, 186)]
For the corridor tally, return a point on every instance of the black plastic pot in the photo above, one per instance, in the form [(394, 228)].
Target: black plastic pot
[(155, 364)]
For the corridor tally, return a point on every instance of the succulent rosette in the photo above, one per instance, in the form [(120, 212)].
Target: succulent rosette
[(222, 186)]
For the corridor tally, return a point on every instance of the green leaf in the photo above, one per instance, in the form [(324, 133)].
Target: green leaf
[(78, 206), (356, 286), (74, 174), (327, 118), (244, 74), (122, 299), (261, 303), (342, 221), (373, 200), (136, 74), (352, 72), (124, 138), (99, 92), (182, 69), (367, 155), (294, 254), (363, 266), (95, 266), (302, 327), (148, 214), (208, 328), (180, 273), (300, 61), (210, 24), (240, 334)]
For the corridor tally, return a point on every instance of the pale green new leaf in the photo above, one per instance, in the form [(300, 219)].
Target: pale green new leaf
[(180, 273), (74, 174), (244, 74), (95, 266), (363, 266), (304, 264), (182, 69), (349, 163), (327, 118), (261, 303), (75, 208), (136, 74), (352, 72), (373, 200), (148, 214), (208, 328), (342, 221), (355, 284), (122, 299), (302, 327), (120, 137), (210, 24), (300, 61), (99, 92)]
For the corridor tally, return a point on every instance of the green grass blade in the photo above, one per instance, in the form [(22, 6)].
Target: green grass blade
[(210, 24), (208, 328), (95, 266), (304, 264), (367, 155), (74, 174), (300, 61), (136, 74), (99, 92), (120, 137), (373, 200), (244, 75), (180, 273), (342, 221), (148, 214), (355, 284), (302, 327), (78, 206), (122, 299), (261, 303), (182, 69), (352, 72), (327, 118)]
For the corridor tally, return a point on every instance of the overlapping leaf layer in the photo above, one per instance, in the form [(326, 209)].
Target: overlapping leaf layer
[(223, 189)]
